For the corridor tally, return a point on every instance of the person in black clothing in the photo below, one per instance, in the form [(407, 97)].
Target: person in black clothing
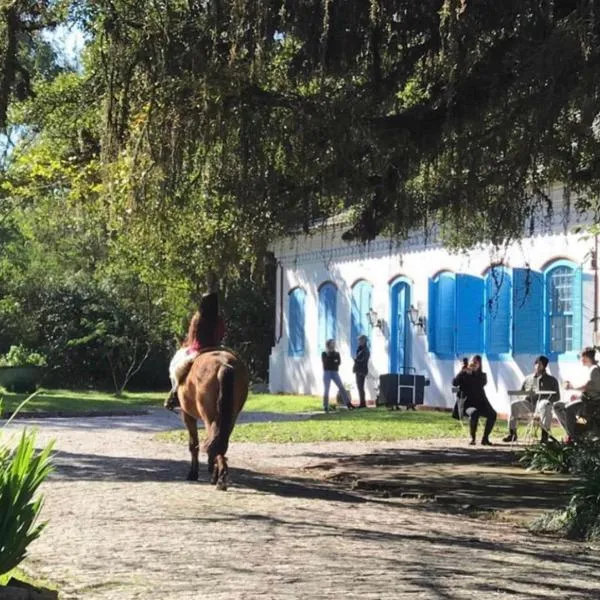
[(472, 380), (361, 368), (331, 363)]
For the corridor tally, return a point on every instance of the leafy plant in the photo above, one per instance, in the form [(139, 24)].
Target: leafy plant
[(22, 471), (553, 456), (581, 517), (19, 356)]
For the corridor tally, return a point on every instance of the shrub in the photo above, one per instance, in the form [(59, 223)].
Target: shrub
[(19, 356), (580, 519), (22, 471)]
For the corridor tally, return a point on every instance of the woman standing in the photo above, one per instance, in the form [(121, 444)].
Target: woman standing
[(331, 364), (361, 368), (472, 380)]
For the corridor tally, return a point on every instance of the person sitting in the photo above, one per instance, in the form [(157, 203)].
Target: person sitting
[(471, 381), (206, 330), (539, 381), (567, 412), (361, 368), (331, 364)]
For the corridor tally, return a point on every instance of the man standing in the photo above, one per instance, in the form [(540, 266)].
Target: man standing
[(539, 381), (361, 368), (568, 411)]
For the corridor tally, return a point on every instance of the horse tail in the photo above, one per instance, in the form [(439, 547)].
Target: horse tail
[(225, 403)]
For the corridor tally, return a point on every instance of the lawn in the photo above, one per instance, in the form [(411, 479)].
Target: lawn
[(67, 401), (279, 403), (374, 424)]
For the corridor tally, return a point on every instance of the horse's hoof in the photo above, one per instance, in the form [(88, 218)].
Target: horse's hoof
[(222, 486), (191, 476)]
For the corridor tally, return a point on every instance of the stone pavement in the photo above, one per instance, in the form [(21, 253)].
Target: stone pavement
[(124, 524)]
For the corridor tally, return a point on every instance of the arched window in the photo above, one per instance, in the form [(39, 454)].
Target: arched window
[(362, 293), (498, 310), (563, 307), (327, 313), (296, 301)]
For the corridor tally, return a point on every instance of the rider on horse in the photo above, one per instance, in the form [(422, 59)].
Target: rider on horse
[(206, 330)]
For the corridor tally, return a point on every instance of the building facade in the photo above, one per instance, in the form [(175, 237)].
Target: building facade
[(425, 308)]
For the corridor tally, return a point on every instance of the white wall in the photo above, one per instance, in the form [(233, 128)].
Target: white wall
[(311, 260)]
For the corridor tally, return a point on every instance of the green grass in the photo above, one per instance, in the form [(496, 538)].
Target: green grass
[(67, 401), (365, 425), (283, 404)]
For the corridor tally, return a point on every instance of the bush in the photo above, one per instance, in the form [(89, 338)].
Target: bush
[(22, 471), (580, 519), (19, 356)]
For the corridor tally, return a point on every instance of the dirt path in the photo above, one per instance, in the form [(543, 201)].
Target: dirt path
[(123, 524)]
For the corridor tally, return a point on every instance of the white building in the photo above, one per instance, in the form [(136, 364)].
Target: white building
[(541, 299)]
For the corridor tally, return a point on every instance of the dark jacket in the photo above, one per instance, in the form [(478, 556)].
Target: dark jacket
[(544, 383), (471, 385), (331, 361), (361, 361)]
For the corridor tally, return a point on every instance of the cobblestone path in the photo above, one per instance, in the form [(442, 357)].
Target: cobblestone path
[(124, 524)]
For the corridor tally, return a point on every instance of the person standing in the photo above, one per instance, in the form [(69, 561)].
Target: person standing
[(331, 364), (472, 380), (361, 368)]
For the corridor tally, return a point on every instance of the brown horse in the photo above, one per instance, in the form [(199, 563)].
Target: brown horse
[(214, 390)]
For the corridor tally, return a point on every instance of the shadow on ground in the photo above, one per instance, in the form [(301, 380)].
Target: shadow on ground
[(490, 479), (96, 467)]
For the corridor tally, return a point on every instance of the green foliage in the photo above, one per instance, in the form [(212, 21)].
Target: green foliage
[(552, 456), (580, 519), (22, 471), (19, 356)]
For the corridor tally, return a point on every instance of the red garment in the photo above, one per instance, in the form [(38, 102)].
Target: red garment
[(196, 346)]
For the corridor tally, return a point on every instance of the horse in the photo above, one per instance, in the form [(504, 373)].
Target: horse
[(214, 390)]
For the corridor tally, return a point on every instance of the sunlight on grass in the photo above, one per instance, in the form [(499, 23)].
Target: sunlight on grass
[(66, 401), (365, 425), (283, 403), (69, 401)]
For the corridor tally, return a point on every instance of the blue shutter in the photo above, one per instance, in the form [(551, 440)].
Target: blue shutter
[(498, 309), (327, 313), (469, 314), (432, 303), (366, 295), (445, 314), (577, 309), (361, 303), (528, 312), (296, 322)]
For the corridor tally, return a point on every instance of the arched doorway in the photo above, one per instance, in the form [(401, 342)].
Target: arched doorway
[(400, 333)]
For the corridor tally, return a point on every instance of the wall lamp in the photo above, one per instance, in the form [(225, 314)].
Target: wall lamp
[(374, 319), (415, 318)]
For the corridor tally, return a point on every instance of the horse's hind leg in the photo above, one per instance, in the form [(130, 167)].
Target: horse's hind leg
[(192, 427), (222, 472)]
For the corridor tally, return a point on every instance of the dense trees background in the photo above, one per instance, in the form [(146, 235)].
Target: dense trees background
[(194, 131)]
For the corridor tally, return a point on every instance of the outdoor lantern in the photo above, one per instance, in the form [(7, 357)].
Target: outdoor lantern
[(415, 318), (374, 320)]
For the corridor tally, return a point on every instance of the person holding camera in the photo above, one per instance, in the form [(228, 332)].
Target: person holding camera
[(471, 381)]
